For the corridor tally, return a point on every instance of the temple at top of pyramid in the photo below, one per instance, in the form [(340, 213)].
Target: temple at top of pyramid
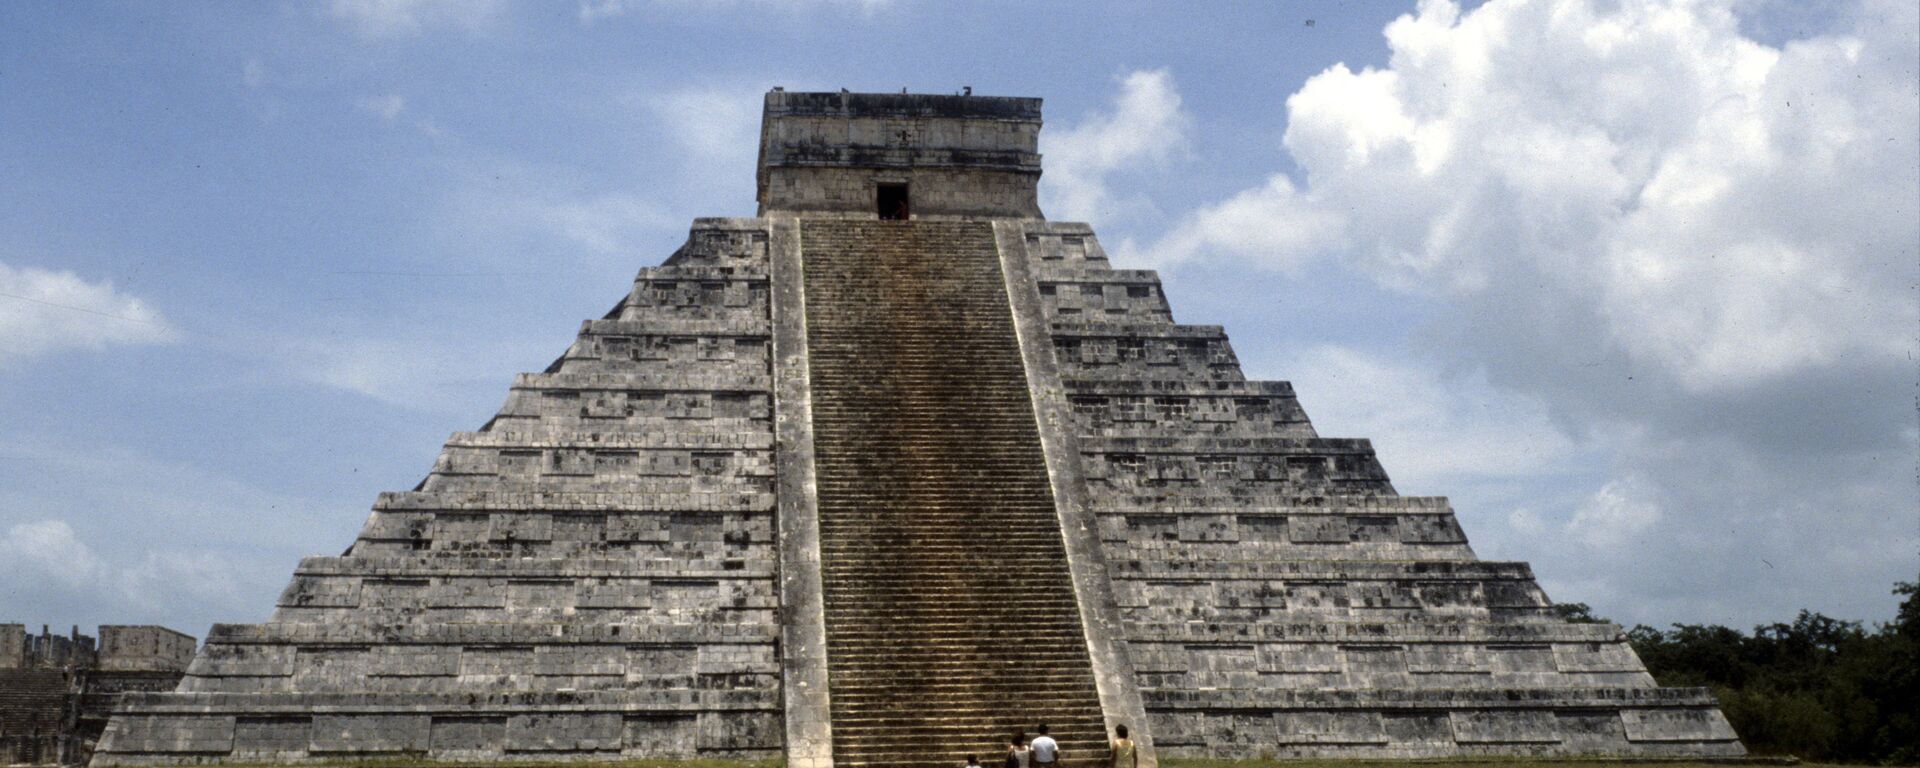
[(882, 476)]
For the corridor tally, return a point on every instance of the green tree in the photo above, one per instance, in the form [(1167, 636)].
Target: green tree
[(1818, 687)]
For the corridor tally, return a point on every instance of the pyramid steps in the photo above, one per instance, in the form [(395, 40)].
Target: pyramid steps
[(940, 545)]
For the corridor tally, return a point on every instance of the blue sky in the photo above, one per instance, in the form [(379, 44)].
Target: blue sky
[(1631, 282)]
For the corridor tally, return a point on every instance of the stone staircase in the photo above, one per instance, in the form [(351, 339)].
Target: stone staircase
[(32, 705), (950, 611)]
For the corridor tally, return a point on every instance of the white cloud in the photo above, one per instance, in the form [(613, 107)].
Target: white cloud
[(49, 549), (1718, 211), (44, 310), (1269, 224), (375, 19), (47, 558), (1679, 260), (387, 107), (1615, 514), (1145, 127)]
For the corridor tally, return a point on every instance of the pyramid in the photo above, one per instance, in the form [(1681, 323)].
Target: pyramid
[(881, 476)]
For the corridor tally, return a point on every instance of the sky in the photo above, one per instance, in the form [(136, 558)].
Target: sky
[(1633, 283)]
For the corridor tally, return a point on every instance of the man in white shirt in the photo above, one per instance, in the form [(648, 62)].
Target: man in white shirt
[(1045, 750)]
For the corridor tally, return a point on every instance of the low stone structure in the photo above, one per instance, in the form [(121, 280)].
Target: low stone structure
[(880, 474), (57, 693), (126, 648)]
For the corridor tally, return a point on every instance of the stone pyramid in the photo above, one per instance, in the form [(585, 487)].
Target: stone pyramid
[(881, 476)]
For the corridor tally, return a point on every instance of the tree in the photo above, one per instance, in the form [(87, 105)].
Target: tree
[(1818, 687)]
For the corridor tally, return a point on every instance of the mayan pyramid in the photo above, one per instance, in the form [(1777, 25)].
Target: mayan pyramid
[(851, 488)]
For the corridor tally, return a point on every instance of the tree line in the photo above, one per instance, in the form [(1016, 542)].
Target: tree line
[(1818, 688)]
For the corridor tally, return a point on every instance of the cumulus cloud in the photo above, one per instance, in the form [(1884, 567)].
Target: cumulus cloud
[(1145, 127), (377, 19), (45, 564), (1266, 224), (1715, 209), (44, 310), (1691, 252), (1615, 514)]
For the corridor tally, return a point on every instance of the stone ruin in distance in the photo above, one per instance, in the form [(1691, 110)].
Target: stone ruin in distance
[(881, 476)]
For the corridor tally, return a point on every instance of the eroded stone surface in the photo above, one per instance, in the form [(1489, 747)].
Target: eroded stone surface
[(637, 556), (1278, 597), (590, 574)]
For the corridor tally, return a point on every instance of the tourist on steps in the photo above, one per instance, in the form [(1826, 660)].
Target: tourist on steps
[(1121, 753), (1045, 750), (1017, 752), (973, 761)]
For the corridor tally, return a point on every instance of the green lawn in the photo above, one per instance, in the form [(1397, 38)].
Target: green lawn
[(1515, 762), (1176, 762)]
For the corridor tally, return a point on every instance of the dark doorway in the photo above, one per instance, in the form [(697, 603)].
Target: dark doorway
[(892, 201)]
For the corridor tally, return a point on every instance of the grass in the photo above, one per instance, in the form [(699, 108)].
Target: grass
[(406, 762), (1483, 762), (1170, 762)]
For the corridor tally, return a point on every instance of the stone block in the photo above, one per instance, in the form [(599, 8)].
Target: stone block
[(609, 593), (1505, 726), (469, 737), (731, 731), (565, 732), (393, 593), (1446, 658), (321, 592), (1330, 728), (1318, 529), (661, 736), (266, 738), (467, 593), (1676, 725), (348, 734), (173, 735), (224, 660), (414, 661), (1301, 658), (496, 661)]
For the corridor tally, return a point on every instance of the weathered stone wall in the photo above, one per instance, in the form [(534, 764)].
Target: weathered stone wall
[(961, 156), (144, 647), (938, 193), (55, 699), (1278, 597), (20, 649), (13, 646), (589, 575), (32, 709)]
